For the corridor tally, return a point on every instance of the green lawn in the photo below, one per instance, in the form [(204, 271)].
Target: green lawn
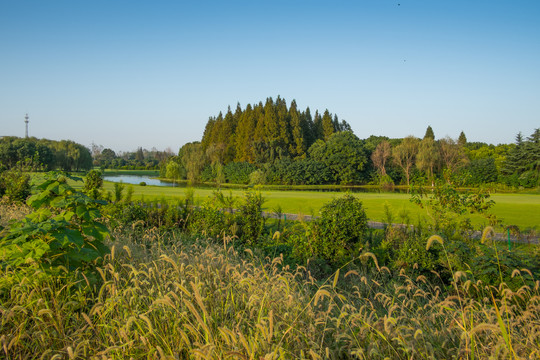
[(522, 210)]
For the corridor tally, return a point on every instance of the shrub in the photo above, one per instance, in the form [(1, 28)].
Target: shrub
[(251, 219), (93, 183), (257, 177), (238, 173), (62, 231), (15, 184), (340, 229)]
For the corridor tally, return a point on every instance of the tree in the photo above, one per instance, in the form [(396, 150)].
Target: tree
[(404, 155), (379, 157), (194, 159), (139, 155), (462, 140), (429, 133), (173, 171), (452, 154), (298, 144), (343, 153), (427, 157), (327, 125)]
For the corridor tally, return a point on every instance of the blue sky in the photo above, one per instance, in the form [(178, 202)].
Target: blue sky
[(124, 74)]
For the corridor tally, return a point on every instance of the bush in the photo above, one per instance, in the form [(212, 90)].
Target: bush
[(15, 184), (93, 183), (257, 177), (251, 219), (62, 231), (340, 230), (238, 173)]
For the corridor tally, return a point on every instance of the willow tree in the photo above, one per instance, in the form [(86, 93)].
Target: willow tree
[(382, 153), (428, 157), (404, 155)]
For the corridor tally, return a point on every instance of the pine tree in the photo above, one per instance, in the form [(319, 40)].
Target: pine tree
[(429, 133), (298, 144), (462, 140), (317, 127), (327, 125), (308, 127), (207, 135), (271, 125), (244, 135), (284, 124), (227, 137)]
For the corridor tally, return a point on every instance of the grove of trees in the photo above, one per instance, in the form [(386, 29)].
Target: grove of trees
[(273, 143), (43, 154)]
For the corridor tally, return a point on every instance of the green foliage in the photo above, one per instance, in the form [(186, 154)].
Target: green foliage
[(482, 171), (448, 208), (238, 172), (250, 217), (340, 230), (47, 154), (118, 191), (344, 155), (257, 177), (15, 185), (63, 230), (93, 183)]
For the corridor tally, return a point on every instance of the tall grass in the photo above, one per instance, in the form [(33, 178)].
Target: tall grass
[(159, 296)]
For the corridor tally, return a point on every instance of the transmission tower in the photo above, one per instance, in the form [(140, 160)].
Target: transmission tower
[(26, 121)]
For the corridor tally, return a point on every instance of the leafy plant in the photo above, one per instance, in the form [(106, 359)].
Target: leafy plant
[(252, 221), (340, 229), (93, 183), (15, 184), (448, 207), (63, 230)]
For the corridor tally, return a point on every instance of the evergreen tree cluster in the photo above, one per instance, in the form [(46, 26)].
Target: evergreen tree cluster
[(522, 166), (273, 143), (262, 133)]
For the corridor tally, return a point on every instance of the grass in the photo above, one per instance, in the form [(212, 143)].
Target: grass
[(522, 210), (158, 295)]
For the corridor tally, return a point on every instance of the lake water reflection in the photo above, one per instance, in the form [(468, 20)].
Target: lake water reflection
[(137, 179)]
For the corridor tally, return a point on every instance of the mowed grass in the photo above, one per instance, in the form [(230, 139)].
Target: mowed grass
[(522, 210)]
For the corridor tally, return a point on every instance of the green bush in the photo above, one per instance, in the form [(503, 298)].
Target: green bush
[(93, 183), (340, 230), (250, 217), (63, 230), (15, 185)]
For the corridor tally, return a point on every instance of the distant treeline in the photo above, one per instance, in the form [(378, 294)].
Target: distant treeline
[(140, 159), (273, 143), (43, 154)]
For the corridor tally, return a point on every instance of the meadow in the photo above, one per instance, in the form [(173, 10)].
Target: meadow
[(522, 210), (163, 296), (164, 290)]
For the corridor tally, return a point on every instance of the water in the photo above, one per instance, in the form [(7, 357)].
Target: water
[(137, 179)]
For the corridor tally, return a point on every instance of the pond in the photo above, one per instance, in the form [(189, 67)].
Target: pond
[(137, 179)]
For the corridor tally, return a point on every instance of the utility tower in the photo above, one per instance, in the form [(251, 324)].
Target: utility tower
[(26, 121)]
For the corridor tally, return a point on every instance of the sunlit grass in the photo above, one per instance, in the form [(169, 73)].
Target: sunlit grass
[(522, 210), (159, 295)]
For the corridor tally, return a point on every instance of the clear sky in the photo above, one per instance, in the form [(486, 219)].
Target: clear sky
[(130, 73)]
